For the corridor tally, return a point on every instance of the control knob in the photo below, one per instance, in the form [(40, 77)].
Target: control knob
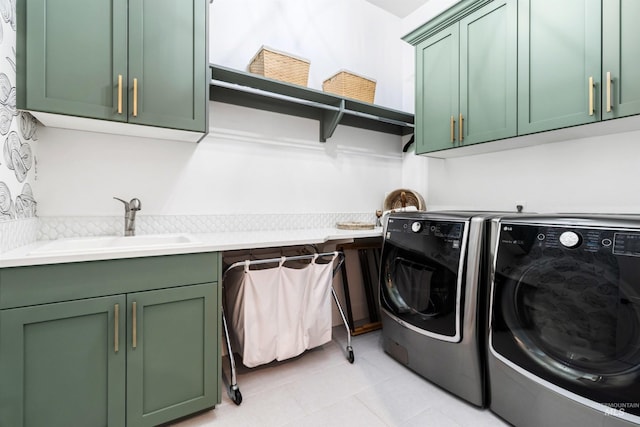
[(416, 227), (570, 239)]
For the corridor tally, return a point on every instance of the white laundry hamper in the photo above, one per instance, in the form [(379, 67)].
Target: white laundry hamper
[(277, 313)]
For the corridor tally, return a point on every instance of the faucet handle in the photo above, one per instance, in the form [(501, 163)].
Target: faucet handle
[(135, 204), (126, 204)]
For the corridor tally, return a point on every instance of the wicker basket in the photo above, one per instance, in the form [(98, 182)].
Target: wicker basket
[(280, 66), (404, 197), (350, 85)]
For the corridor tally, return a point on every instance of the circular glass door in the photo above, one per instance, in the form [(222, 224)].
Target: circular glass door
[(567, 311), (576, 318), (421, 276)]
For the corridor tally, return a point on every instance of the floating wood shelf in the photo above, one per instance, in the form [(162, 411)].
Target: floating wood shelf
[(250, 90)]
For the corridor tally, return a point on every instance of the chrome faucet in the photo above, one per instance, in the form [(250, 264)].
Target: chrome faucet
[(130, 209)]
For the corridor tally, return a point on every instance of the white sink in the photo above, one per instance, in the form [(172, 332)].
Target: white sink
[(112, 243)]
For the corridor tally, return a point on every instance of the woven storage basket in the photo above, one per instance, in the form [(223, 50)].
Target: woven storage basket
[(350, 85), (280, 66), (411, 198)]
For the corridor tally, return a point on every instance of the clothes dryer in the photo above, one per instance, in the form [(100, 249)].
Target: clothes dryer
[(564, 344), (433, 297)]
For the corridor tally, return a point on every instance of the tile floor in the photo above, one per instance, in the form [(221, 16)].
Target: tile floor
[(321, 388)]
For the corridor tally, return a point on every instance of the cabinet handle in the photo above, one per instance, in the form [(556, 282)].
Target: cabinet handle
[(135, 97), (134, 325), (591, 96), (119, 93), (460, 131), (116, 327), (609, 106), (453, 131)]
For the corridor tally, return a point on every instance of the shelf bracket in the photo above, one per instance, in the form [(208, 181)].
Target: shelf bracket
[(329, 121)]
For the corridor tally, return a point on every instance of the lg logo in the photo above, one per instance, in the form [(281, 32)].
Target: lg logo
[(507, 228)]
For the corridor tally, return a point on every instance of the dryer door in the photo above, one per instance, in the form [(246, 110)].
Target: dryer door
[(421, 275), (566, 307)]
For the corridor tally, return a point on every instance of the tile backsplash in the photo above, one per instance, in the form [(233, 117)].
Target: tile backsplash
[(16, 233), (51, 228)]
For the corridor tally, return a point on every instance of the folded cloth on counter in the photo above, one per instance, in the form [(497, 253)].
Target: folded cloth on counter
[(280, 312)]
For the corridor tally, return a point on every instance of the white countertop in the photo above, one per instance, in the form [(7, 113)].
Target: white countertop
[(35, 253)]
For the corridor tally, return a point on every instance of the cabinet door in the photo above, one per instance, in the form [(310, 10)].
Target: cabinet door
[(559, 50), (621, 58), (60, 365), (488, 77), (167, 58), (172, 364), (70, 54), (437, 91)]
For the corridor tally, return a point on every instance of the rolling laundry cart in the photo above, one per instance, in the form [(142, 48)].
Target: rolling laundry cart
[(278, 312)]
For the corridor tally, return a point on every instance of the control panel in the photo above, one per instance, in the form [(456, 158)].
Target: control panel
[(448, 229), (617, 242), (417, 233)]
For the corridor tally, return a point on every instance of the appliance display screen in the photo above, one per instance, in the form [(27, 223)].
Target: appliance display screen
[(626, 244)]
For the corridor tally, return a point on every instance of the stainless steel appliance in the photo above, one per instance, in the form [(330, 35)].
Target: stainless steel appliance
[(433, 297), (564, 345)]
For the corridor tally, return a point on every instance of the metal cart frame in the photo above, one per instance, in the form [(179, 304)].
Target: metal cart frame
[(232, 386)]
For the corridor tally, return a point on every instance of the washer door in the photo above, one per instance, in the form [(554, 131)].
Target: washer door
[(571, 317), (420, 280), (569, 314)]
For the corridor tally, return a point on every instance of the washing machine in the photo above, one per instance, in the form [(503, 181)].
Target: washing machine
[(434, 297), (564, 333)]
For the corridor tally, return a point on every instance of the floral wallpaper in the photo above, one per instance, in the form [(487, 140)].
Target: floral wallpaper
[(17, 130)]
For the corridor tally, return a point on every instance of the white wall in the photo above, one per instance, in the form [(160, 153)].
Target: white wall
[(584, 175), (253, 161), (591, 174), (415, 169), (331, 34)]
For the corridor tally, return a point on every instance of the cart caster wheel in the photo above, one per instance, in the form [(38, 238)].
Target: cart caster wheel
[(236, 396), (351, 357)]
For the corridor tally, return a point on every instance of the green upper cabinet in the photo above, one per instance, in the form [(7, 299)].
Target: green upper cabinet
[(70, 53), (437, 91), (488, 74), (620, 58), (559, 64), (136, 61), (466, 76), (167, 59)]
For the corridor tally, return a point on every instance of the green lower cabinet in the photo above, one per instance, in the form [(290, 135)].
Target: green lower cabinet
[(144, 354), (63, 364), (171, 369)]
